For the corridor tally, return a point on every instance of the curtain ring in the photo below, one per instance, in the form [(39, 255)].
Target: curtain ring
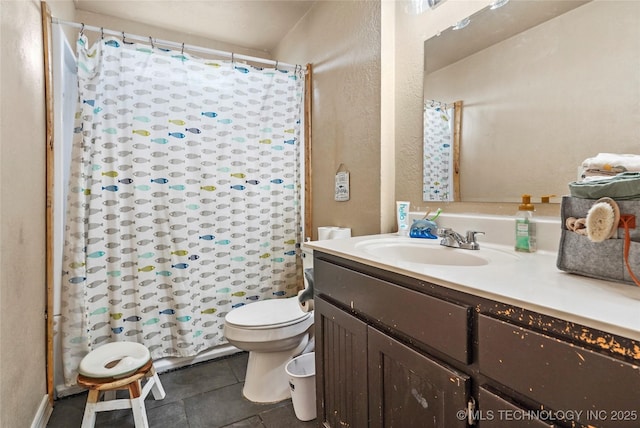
[(276, 67), (82, 30), (182, 51), (123, 38), (151, 41), (101, 33), (232, 59)]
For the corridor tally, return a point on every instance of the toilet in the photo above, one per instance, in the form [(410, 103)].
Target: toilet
[(272, 331)]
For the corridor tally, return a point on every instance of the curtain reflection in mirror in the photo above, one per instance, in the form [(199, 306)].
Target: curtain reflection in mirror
[(438, 151)]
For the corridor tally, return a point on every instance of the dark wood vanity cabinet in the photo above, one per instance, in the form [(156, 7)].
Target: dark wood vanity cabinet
[(574, 382), (409, 389), (341, 367), (495, 411), (396, 352), (367, 378)]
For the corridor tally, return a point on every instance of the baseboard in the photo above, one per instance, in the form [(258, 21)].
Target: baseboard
[(42, 415)]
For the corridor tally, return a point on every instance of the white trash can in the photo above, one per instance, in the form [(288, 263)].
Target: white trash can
[(302, 381)]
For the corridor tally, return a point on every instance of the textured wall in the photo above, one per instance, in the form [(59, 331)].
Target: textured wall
[(342, 41), (22, 214), (137, 28)]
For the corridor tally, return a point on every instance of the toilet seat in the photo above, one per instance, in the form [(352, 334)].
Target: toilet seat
[(267, 314), (113, 360), (272, 331)]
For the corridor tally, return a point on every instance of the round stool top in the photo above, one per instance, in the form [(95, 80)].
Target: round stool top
[(113, 360)]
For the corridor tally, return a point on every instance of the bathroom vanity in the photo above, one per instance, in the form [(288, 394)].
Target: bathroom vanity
[(503, 340)]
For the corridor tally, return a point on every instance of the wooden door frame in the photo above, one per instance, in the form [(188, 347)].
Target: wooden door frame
[(48, 84), (308, 199)]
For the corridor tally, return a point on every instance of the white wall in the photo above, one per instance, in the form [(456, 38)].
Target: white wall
[(136, 28), (342, 41), (22, 214)]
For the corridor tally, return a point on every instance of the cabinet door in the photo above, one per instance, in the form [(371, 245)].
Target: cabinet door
[(341, 367), (409, 390)]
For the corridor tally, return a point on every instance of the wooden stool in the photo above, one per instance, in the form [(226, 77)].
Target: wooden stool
[(109, 386)]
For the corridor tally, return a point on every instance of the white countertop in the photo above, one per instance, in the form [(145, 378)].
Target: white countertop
[(527, 280)]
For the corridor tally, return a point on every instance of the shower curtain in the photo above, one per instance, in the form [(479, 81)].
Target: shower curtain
[(438, 152), (184, 197)]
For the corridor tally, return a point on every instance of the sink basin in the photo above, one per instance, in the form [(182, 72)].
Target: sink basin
[(403, 250)]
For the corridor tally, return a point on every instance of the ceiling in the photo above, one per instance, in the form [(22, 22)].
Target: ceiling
[(488, 27), (253, 24)]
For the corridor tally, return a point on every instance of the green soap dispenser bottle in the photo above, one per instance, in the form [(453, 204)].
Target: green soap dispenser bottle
[(525, 226)]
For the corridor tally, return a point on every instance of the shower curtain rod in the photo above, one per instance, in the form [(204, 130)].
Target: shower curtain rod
[(181, 46), (434, 103)]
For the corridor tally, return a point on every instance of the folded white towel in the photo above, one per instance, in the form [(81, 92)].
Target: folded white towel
[(613, 162)]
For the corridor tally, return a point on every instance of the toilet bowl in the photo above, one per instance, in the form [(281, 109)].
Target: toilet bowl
[(272, 331)]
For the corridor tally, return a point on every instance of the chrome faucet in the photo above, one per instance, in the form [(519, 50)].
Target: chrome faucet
[(451, 238)]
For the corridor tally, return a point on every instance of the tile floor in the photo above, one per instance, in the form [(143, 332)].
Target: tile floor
[(207, 395)]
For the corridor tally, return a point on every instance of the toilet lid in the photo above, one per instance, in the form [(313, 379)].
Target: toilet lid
[(267, 313)]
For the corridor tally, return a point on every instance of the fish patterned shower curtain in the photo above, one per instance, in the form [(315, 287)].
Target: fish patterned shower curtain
[(184, 198), (438, 152)]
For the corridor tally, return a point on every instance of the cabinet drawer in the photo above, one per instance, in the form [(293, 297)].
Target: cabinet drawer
[(497, 412), (595, 389), (434, 322)]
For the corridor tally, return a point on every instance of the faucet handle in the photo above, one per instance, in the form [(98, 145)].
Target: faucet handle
[(471, 236)]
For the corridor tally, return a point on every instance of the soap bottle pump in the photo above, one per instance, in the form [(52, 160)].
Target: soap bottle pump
[(525, 226)]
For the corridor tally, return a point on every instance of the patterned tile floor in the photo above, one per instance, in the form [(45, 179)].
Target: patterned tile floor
[(204, 395)]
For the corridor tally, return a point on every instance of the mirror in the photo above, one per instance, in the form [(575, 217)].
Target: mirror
[(544, 85)]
